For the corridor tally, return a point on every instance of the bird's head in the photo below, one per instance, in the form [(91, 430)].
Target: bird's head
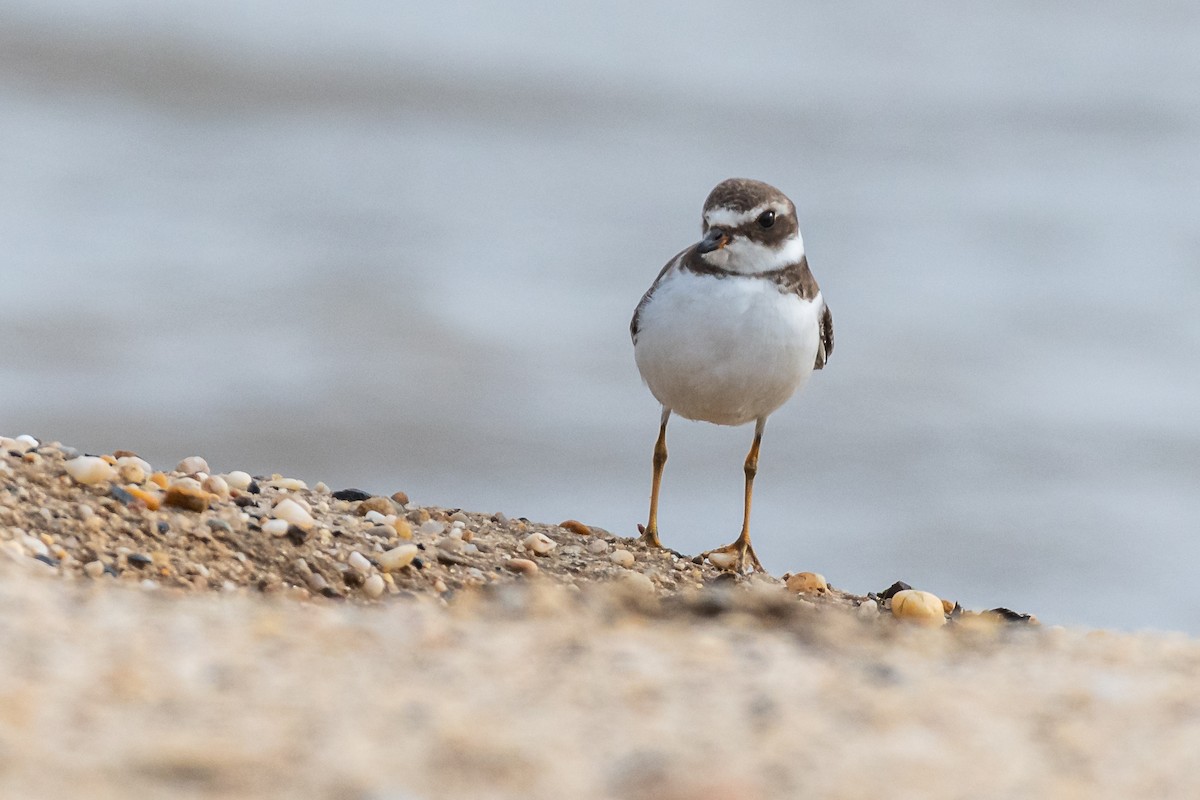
[(749, 227)]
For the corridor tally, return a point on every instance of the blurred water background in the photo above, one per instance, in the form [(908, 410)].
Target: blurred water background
[(396, 246)]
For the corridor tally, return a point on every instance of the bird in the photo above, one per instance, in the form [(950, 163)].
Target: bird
[(731, 328)]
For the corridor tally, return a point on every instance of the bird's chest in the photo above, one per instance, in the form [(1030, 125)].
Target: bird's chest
[(731, 347)]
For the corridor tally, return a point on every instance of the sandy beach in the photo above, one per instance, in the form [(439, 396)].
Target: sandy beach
[(174, 633)]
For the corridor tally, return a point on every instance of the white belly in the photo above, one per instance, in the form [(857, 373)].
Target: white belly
[(725, 350)]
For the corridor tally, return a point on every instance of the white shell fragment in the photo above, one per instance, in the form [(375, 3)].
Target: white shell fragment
[(431, 527), (192, 465), (238, 480), (722, 560), (291, 511), (539, 543), (275, 527), (397, 558), (217, 485), (90, 469), (359, 562), (22, 444), (622, 558), (374, 586)]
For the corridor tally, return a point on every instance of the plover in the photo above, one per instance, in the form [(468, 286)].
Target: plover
[(730, 329)]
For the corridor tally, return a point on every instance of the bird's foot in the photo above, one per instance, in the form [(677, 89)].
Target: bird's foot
[(734, 557), (649, 536)]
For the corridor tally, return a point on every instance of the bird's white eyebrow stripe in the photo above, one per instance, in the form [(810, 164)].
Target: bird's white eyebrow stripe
[(728, 218)]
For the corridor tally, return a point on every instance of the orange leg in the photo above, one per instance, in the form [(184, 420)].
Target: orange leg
[(742, 549), (650, 534)]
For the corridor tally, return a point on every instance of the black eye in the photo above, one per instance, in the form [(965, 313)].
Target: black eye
[(766, 219)]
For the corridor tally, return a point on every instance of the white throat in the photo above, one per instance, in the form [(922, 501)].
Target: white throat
[(747, 257)]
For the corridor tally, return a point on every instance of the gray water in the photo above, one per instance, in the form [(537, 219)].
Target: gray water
[(397, 248)]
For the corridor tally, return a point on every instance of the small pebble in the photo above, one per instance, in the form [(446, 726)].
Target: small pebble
[(94, 569), (807, 583), (293, 512), (868, 609), (90, 470), (359, 562), (920, 607), (375, 517), (538, 543), (403, 528), (380, 505), (131, 472), (597, 546), (288, 484), (276, 527), (187, 494), (28, 441), (722, 560), (192, 465), (138, 560), (217, 485), (522, 566), (622, 558), (238, 480), (35, 546), (374, 586), (384, 532), (397, 557), (637, 581), (575, 526), (401, 498), (451, 544), (431, 527), (152, 499)]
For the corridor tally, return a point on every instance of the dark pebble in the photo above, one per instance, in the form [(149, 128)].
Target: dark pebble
[(218, 524), (1011, 616), (418, 563), (163, 527), (125, 497), (331, 592), (353, 578), (712, 604), (353, 495), (898, 586), (138, 560), (109, 569), (243, 500), (297, 535), (254, 488), (47, 560)]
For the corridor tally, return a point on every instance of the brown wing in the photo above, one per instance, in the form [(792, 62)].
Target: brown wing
[(826, 347)]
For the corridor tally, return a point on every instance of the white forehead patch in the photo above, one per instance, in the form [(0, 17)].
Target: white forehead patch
[(722, 217)]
